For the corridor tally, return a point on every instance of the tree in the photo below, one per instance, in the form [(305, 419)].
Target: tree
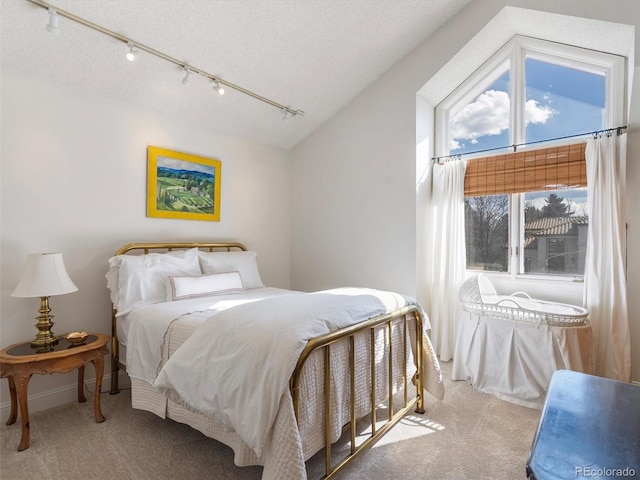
[(531, 212), (487, 230), (555, 207)]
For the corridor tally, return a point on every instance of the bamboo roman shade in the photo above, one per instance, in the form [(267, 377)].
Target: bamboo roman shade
[(550, 168)]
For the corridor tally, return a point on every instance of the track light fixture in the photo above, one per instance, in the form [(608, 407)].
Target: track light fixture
[(54, 12), (132, 53), (187, 76), (52, 26), (217, 87)]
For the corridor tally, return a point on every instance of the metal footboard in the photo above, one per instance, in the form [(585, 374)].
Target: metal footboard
[(369, 327)]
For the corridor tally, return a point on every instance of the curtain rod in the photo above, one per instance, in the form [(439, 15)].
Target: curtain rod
[(607, 131), (286, 110)]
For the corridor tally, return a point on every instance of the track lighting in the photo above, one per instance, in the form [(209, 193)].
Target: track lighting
[(187, 76), (218, 87), (132, 53), (52, 26), (55, 13)]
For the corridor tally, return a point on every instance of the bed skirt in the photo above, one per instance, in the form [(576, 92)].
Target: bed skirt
[(515, 360)]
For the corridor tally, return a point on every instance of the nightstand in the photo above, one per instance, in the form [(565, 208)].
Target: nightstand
[(19, 361)]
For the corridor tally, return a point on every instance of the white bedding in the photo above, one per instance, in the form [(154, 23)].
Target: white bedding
[(291, 443), (531, 304), (144, 327), (240, 360)]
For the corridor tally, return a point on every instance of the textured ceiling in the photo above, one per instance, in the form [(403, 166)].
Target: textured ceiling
[(306, 54)]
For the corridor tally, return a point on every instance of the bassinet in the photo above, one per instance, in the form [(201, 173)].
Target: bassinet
[(510, 345), (478, 295)]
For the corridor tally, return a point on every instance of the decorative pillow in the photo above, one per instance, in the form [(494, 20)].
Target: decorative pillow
[(202, 285), (243, 262), (140, 279)]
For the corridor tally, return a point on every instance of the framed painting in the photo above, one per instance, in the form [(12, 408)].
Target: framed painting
[(181, 185)]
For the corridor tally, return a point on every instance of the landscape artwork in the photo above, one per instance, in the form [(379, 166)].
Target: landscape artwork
[(183, 186)]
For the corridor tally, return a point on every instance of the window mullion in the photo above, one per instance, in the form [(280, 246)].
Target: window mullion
[(515, 242), (517, 120), (517, 96)]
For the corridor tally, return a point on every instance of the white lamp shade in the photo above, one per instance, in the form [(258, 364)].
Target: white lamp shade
[(44, 276)]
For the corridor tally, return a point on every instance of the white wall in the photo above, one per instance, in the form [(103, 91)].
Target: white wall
[(353, 199), (354, 179), (73, 178), (342, 212)]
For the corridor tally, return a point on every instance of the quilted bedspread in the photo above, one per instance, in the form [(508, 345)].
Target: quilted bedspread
[(253, 371)]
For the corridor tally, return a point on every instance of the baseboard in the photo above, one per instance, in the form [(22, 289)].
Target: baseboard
[(636, 383), (59, 396)]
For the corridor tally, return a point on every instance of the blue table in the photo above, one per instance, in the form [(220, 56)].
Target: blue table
[(589, 428)]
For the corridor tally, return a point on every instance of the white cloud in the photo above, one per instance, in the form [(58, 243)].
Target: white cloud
[(489, 115), (535, 113)]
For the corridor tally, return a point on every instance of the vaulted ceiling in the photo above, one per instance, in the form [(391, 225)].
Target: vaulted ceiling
[(309, 55)]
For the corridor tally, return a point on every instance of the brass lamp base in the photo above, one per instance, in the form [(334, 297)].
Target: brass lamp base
[(45, 336)]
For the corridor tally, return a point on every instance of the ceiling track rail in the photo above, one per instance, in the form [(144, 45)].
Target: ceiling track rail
[(286, 111)]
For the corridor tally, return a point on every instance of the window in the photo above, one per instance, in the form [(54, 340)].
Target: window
[(518, 121), (486, 221)]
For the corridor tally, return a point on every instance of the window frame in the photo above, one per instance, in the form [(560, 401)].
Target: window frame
[(514, 54)]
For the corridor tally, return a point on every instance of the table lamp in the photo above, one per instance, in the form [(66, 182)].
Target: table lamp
[(44, 276)]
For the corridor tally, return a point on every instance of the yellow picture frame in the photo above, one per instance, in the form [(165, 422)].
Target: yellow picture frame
[(183, 186)]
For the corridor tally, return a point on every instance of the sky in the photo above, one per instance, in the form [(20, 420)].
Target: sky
[(560, 101), (576, 198), (177, 164)]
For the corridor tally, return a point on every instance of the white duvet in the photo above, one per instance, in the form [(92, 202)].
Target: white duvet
[(146, 326), (239, 361)]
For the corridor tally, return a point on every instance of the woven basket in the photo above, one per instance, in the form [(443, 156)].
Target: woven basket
[(510, 308)]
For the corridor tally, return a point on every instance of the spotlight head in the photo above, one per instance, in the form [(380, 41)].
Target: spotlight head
[(187, 76), (132, 53), (218, 88), (52, 26)]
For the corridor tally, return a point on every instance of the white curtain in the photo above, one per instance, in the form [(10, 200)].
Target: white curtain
[(446, 254), (605, 288)]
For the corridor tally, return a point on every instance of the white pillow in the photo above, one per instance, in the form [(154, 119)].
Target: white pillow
[(141, 278), (112, 279), (243, 262), (202, 285)]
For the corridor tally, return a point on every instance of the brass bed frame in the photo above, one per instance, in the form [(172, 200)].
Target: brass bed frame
[(323, 344)]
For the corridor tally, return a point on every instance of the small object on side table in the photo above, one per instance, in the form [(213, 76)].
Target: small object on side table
[(76, 338), (20, 361)]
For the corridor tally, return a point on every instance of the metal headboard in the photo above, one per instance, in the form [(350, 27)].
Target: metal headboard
[(141, 249)]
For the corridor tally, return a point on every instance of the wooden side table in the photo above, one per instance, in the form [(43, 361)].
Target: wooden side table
[(19, 361)]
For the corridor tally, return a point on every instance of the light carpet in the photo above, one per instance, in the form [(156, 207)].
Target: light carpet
[(468, 435)]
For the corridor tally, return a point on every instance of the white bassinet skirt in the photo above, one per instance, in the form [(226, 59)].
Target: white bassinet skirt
[(515, 360)]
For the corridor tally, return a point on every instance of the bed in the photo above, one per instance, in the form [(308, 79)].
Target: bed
[(277, 375), (510, 345)]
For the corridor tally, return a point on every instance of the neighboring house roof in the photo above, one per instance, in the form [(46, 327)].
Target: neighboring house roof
[(551, 226)]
